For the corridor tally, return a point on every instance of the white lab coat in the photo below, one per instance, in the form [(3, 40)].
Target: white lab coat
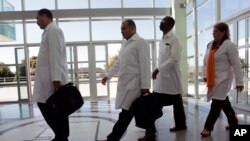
[(133, 69), (227, 66), (51, 63), (168, 80)]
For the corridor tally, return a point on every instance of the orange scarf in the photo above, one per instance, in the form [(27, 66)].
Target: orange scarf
[(210, 71)]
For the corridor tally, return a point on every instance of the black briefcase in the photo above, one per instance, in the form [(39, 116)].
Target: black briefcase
[(64, 101), (146, 109)]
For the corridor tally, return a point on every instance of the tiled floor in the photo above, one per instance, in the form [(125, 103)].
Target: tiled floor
[(23, 122)]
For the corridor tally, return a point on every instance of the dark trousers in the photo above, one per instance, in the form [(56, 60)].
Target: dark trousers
[(121, 125), (215, 110), (178, 108), (59, 127)]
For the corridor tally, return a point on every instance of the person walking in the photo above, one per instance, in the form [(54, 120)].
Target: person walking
[(51, 71), (167, 76), (221, 66), (133, 69)]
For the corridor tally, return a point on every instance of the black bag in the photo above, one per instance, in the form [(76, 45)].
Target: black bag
[(64, 101), (147, 109)]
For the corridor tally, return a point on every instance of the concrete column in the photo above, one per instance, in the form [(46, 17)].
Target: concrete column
[(179, 14)]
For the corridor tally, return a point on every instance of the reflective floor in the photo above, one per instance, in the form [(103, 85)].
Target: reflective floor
[(23, 122)]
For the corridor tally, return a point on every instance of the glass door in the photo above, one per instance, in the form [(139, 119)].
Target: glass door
[(88, 64), (113, 51), (78, 68), (21, 75), (100, 69)]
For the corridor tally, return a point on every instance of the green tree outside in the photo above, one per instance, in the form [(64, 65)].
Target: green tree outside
[(6, 72)]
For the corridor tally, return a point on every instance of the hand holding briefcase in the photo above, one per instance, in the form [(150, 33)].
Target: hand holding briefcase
[(65, 101)]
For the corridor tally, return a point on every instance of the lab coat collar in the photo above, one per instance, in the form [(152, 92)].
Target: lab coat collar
[(134, 37), (168, 34), (49, 25)]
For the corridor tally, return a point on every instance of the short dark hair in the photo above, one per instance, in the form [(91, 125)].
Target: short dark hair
[(169, 20), (46, 12), (130, 22)]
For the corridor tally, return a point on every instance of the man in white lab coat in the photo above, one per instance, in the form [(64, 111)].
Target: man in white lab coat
[(51, 71), (133, 69), (168, 76)]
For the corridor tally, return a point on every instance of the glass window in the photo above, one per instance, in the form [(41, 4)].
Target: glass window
[(7, 55), (200, 2), (157, 28), (9, 93), (242, 55), (31, 29), (106, 30), (82, 53), (243, 97), (39, 4), (245, 63), (102, 90), (206, 15), (1, 6), (231, 31), (191, 65), (189, 7), (241, 32), (230, 7), (100, 53), (75, 30), (202, 46), (190, 48), (190, 25), (11, 5), (11, 33), (83, 75), (105, 4), (248, 31), (145, 28), (162, 3), (137, 3), (72, 4), (113, 50), (247, 97), (203, 39)]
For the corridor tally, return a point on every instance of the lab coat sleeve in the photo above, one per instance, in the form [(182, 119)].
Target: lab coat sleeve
[(114, 70), (56, 44), (175, 55), (144, 58), (233, 56)]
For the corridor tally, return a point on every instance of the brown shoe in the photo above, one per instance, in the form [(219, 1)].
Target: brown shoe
[(150, 137)]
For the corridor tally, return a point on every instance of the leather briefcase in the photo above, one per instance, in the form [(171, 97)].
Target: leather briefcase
[(64, 101), (146, 109)]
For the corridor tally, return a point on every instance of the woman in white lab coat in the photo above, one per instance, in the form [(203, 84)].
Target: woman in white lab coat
[(133, 69), (221, 66)]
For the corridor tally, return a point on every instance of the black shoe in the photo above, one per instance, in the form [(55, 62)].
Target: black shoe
[(174, 129), (55, 139)]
